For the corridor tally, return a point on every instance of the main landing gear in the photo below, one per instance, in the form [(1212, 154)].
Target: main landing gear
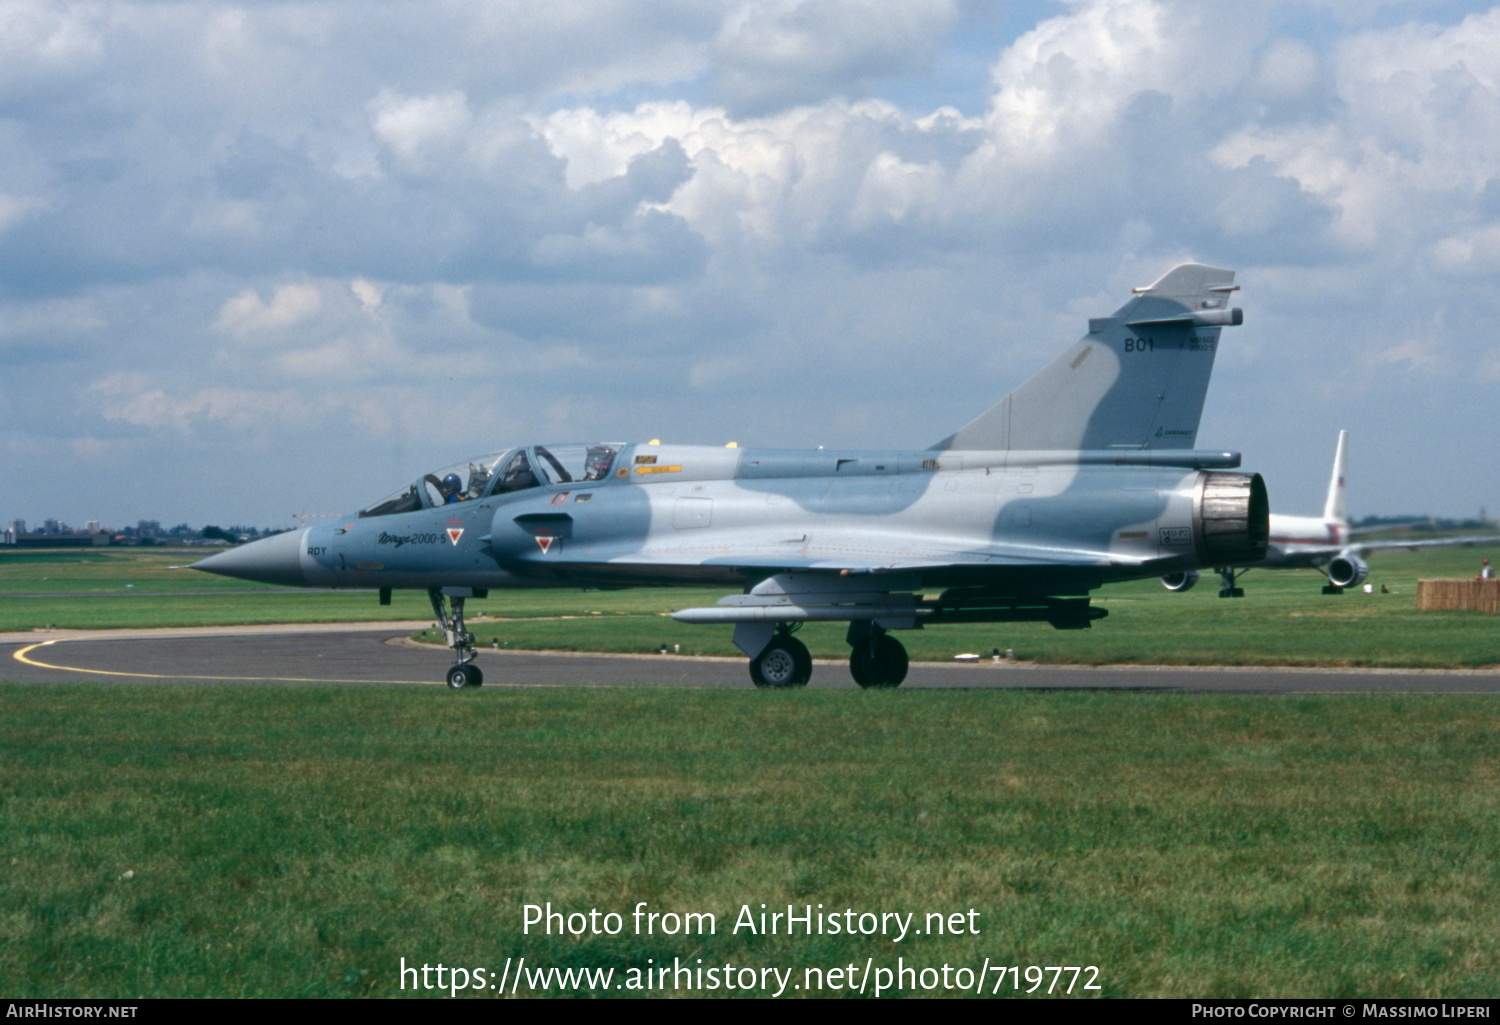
[(463, 673), (876, 659), (785, 662), (1227, 577)]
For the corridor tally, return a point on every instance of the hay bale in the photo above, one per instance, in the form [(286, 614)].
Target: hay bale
[(1458, 595)]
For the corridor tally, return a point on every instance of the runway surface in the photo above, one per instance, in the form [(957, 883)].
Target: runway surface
[(347, 654)]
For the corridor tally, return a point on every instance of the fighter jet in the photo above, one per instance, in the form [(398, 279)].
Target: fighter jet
[(1324, 543), (1083, 475)]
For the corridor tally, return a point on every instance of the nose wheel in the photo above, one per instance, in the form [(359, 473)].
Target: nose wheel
[(463, 672), (465, 676)]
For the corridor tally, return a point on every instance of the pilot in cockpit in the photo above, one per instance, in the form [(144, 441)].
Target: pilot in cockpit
[(452, 488), (517, 475), (600, 458)]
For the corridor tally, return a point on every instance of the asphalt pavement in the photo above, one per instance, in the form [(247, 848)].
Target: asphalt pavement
[(354, 654)]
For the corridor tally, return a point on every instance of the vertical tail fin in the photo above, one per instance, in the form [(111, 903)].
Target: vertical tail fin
[(1136, 380), (1335, 508)]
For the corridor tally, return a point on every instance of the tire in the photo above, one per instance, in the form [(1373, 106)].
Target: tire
[(785, 663), (467, 675), (883, 663)]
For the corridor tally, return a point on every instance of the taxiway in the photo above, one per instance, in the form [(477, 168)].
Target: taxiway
[(362, 654)]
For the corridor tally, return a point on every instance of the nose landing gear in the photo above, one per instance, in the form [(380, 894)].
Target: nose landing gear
[(463, 673), (465, 676)]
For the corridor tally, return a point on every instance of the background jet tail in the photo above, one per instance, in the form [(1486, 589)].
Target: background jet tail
[(1334, 508), (1137, 380)]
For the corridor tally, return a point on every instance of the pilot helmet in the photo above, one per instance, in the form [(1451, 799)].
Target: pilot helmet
[(598, 461), (451, 484)]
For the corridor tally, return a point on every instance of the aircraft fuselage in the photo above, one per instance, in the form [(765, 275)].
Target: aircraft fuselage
[(1303, 541), (671, 514)]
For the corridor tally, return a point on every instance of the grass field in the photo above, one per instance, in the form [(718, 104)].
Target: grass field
[(146, 587), (1283, 621), (178, 841)]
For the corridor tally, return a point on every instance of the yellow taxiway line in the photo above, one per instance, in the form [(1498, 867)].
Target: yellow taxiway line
[(22, 656)]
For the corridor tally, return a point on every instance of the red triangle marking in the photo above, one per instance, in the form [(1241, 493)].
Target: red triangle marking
[(544, 541), (454, 533)]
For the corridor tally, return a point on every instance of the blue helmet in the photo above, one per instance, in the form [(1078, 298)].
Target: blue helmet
[(451, 484)]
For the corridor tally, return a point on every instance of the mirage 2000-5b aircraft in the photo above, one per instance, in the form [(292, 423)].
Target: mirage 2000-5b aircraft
[(1083, 475)]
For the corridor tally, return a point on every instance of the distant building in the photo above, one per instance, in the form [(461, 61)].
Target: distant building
[(43, 540)]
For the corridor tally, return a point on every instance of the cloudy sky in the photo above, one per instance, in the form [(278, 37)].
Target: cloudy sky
[(269, 258)]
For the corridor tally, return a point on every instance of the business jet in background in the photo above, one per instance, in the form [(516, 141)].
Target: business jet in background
[(1322, 543)]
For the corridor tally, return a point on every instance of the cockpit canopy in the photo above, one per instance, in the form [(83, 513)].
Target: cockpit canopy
[(501, 473)]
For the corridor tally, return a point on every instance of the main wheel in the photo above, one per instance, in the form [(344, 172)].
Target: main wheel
[(881, 663), (785, 663), (467, 675)]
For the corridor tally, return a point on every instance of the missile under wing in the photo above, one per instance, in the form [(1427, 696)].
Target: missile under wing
[(1085, 474)]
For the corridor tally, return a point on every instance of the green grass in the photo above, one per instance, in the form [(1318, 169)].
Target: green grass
[(1284, 620), (301, 841), (123, 588)]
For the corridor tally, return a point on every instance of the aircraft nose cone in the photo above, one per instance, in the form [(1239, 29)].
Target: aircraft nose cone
[(271, 560)]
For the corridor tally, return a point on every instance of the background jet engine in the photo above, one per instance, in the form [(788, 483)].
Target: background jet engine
[(1348, 570), (1180, 581), (1232, 518)]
